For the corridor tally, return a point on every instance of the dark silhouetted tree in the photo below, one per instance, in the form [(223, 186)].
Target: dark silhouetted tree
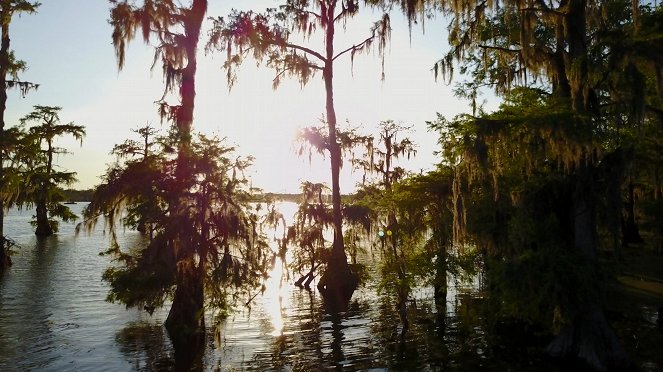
[(227, 254), (140, 213), (10, 67), (175, 27), (590, 60)]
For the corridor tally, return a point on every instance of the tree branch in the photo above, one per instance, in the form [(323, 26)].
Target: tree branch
[(340, 15), (306, 50), (282, 72), (301, 10), (499, 48), (354, 47), (544, 10)]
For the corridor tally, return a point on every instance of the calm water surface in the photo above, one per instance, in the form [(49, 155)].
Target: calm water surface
[(53, 316)]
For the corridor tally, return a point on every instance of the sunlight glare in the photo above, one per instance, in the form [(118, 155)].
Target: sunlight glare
[(275, 298)]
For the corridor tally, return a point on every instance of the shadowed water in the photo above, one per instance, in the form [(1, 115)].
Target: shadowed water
[(53, 316)]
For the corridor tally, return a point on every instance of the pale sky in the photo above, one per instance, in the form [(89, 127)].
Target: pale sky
[(67, 46)]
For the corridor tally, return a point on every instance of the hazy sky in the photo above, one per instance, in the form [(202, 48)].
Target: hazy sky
[(67, 46)]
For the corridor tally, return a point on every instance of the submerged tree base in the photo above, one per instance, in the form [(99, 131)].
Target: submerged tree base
[(338, 283), (43, 232), (5, 258), (591, 340), (189, 353), (186, 319)]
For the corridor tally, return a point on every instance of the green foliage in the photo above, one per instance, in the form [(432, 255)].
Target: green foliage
[(515, 194), (217, 233), (135, 286), (31, 177), (544, 286), (411, 216)]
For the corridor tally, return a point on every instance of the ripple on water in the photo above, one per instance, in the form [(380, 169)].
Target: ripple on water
[(53, 316)]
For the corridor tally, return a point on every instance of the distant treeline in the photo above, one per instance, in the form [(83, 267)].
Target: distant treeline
[(270, 196), (86, 196), (78, 195)]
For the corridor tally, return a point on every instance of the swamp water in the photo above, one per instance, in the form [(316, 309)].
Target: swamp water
[(53, 316)]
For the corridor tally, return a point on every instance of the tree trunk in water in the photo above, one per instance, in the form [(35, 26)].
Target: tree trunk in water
[(402, 291), (186, 319), (338, 282), (440, 289), (589, 336), (440, 281), (43, 226), (5, 259), (630, 229), (590, 339)]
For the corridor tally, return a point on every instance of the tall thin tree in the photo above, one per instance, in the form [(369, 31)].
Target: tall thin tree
[(268, 37)]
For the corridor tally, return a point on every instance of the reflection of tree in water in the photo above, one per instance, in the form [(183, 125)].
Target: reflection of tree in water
[(435, 340), (147, 347), (369, 335), (366, 336), (314, 339), (42, 287), (394, 351), (299, 345)]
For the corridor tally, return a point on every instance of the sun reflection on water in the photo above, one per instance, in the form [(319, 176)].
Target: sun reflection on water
[(275, 298)]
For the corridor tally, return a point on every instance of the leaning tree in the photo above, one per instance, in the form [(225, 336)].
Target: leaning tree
[(269, 37)]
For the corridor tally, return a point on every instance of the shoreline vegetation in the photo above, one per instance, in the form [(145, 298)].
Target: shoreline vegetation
[(85, 195)]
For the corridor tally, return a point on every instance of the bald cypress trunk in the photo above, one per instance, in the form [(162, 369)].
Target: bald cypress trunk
[(338, 282), (588, 337), (186, 321), (43, 226)]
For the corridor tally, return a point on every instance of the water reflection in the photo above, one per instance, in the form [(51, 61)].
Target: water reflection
[(146, 347), (276, 292), (292, 331), (53, 317)]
